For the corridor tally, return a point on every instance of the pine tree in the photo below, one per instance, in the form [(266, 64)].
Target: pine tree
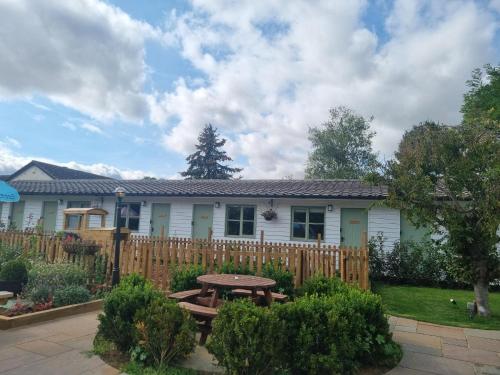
[(206, 162)]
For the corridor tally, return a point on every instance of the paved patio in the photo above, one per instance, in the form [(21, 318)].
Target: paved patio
[(56, 347), (434, 349), (61, 347)]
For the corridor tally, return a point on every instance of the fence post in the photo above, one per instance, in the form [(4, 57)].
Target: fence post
[(262, 237)]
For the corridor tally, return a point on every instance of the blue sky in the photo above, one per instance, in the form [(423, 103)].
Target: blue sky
[(123, 87)]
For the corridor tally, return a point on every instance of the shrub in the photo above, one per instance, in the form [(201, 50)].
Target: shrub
[(245, 338), (376, 259), (116, 324), (45, 278), (229, 267), (283, 278), (322, 285), (166, 332), (71, 295), (8, 253), (184, 278), (15, 271), (335, 333)]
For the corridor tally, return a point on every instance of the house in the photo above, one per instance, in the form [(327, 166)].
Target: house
[(339, 211)]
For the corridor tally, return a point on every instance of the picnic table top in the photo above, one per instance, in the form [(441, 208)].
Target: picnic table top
[(236, 281)]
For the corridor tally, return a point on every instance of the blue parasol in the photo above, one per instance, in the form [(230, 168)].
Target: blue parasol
[(8, 193)]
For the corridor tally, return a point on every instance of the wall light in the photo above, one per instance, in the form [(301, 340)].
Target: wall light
[(217, 204), (60, 201), (144, 203), (329, 207)]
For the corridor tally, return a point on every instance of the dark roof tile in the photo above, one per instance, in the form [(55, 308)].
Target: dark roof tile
[(208, 188)]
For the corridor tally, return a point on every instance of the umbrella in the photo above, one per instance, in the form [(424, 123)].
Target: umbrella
[(8, 193)]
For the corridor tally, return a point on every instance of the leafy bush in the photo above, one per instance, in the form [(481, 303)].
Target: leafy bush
[(44, 279), (322, 286), (283, 278), (15, 271), (166, 332), (71, 295), (8, 253), (229, 267), (116, 324), (134, 368), (376, 259), (245, 338), (333, 328), (184, 278)]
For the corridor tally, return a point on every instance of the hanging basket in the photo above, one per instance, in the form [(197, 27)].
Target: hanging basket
[(269, 215)]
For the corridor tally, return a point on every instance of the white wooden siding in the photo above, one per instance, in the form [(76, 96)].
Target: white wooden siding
[(387, 221), (181, 215)]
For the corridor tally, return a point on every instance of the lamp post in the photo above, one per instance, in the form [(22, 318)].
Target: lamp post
[(115, 275)]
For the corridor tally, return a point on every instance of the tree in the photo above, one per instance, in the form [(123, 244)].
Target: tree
[(482, 102), (342, 147), (206, 162)]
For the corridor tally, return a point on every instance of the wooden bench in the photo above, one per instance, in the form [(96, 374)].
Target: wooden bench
[(4, 297), (186, 295), (203, 313), (248, 293)]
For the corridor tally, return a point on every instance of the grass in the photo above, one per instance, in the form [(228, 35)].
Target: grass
[(433, 305)]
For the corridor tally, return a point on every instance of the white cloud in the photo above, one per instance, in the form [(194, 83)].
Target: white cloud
[(91, 128), (12, 142), (263, 91), (84, 54), (69, 125), (11, 161)]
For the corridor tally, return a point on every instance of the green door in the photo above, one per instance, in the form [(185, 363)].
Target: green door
[(160, 218), (202, 220), (353, 226), (409, 232), (49, 214), (17, 215)]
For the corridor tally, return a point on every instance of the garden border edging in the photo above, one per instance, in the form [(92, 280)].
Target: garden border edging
[(42, 316)]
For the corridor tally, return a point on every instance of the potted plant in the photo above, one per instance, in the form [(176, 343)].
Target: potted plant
[(269, 214), (13, 276)]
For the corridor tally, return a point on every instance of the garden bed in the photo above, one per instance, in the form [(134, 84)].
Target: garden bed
[(54, 313)]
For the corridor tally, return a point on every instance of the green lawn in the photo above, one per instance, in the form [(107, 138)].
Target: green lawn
[(433, 305)]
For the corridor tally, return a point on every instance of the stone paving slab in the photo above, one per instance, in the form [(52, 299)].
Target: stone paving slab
[(471, 355), (441, 331), (436, 365), (484, 344), (486, 334), (417, 339)]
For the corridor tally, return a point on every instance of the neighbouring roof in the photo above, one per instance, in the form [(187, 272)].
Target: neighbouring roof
[(331, 189), (4, 177), (57, 172)]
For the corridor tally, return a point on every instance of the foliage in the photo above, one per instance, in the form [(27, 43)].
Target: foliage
[(206, 162), (460, 165), (229, 267), (14, 270), (322, 286), (342, 147), (71, 295), (44, 279), (333, 328), (283, 278), (166, 332), (101, 346), (100, 268), (483, 98), (184, 278), (116, 324), (245, 338), (376, 261), (8, 253), (134, 368), (19, 308), (429, 304)]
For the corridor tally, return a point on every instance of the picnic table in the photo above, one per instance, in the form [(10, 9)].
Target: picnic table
[(254, 284)]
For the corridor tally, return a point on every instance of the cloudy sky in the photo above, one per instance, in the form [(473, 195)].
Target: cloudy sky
[(123, 87)]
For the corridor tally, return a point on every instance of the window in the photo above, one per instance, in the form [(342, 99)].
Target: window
[(130, 214), (73, 221), (308, 223), (240, 221), (78, 204)]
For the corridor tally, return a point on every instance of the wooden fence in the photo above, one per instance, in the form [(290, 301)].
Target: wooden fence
[(155, 257)]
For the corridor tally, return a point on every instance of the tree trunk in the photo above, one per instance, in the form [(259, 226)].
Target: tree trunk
[(482, 300)]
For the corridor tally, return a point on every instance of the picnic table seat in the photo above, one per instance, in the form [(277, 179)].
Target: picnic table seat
[(204, 313), (186, 295), (248, 293)]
